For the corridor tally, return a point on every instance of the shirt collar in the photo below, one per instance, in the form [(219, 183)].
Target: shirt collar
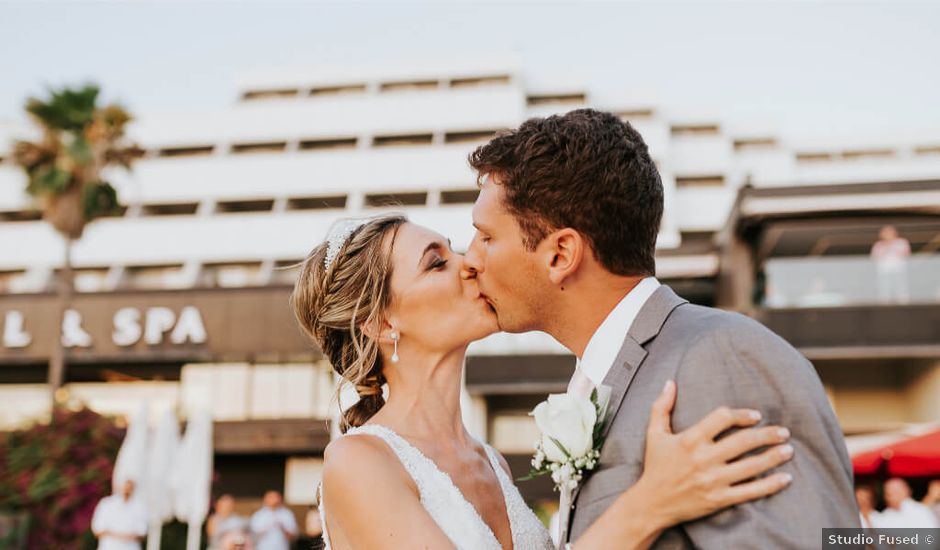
[(605, 344)]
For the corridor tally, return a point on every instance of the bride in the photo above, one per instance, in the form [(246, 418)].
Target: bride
[(387, 303)]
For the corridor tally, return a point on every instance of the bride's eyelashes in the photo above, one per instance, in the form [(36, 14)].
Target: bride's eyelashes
[(436, 263)]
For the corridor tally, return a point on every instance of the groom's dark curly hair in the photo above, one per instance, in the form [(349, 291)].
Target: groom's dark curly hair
[(587, 170)]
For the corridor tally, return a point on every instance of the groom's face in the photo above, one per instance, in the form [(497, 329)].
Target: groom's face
[(508, 274)]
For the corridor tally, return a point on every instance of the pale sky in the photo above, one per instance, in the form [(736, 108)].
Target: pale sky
[(807, 69)]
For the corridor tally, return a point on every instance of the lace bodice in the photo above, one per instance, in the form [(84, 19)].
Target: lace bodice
[(456, 517)]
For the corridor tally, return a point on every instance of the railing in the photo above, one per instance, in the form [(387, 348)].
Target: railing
[(813, 282)]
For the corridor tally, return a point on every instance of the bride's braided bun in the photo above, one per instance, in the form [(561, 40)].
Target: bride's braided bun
[(332, 304)]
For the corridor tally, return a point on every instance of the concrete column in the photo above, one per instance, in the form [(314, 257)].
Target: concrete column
[(924, 393), (736, 275)]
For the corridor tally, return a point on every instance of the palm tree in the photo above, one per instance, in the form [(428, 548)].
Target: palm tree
[(80, 140)]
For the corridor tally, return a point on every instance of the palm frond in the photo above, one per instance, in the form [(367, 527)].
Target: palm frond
[(99, 199), (49, 180), (30, 156), (66, 109)]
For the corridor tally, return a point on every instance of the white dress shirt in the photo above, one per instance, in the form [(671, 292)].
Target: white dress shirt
[(605, 344), (874, 516), (911, 515), (116, 515), (268, 535)]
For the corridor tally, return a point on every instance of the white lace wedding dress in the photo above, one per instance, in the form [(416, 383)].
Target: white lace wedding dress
[(456, 517)]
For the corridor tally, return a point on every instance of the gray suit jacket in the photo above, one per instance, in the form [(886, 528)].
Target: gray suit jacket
[(720, 358)]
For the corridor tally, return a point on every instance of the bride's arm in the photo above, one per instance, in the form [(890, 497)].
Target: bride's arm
[(688, 475), (371, 502)]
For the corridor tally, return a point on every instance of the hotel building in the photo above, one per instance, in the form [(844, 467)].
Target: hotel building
[(182, 298)]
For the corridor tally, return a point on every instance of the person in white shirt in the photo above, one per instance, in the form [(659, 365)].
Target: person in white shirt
[(932, 498), (273, 526), (890, 255), (902, 511), (866, 507), (120, 520)]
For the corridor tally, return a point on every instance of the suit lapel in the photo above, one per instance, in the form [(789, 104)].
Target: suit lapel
[(647, 325)]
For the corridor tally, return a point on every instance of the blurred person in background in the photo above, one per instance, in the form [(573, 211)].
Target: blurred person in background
[(120, 520), (865, 498), (223, 522), (932, 498), (273, 526), (903, 512), (890, 254), (313, 530), (237, 540)]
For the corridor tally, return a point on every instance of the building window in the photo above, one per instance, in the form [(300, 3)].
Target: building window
[(337, 90), (927, 150), (230, 275), (188, 151), (635, 114), (317, 203), (84, 279), (696, 130), (16, 282), (256, 205), (459, 196), (90, 279), (266, 147), (20, 216), (269, 94), (700, 181), (382, 200), (169, 209), (409, 139), (476, 136), (300, 474), (556, 99), (154, 277), (479, 81), (747, 144), (512, 432), (867, 153), (286, 271), (409, 85), (814, 157), (323, 144)]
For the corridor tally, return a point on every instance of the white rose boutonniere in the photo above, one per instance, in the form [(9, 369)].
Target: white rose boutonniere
[(570, 441)]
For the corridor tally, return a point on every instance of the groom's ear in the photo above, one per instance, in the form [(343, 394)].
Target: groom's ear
[(566, 249)]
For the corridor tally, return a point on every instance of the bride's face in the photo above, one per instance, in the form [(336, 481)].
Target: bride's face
[(432, 307)]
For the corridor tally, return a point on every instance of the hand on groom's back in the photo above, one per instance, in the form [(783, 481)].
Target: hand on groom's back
[(737, 362)]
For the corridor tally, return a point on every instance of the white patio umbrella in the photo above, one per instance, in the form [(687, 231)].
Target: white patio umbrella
[(192, 476), (163, 448), (131, 460)]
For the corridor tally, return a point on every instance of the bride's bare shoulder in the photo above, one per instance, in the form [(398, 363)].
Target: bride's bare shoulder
[(346, 459), (355, 451)]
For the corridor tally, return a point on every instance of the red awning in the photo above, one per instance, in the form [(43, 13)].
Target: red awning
[(915, 457)]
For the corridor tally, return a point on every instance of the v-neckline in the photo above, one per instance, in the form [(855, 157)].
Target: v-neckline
[(497, 470)]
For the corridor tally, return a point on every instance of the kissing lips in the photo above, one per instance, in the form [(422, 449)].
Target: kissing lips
[(488, 302)]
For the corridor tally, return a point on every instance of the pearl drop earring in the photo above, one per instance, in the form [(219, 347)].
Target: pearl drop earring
[(394, 336)]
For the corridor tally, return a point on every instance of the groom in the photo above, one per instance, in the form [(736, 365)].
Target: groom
[(567, 220)]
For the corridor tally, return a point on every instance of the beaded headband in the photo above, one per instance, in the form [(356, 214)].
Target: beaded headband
[(338, 236)]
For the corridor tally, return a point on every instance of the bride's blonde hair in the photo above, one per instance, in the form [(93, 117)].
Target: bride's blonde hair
[(333, 303)]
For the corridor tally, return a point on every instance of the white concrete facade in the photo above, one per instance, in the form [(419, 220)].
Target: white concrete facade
[(342, 136)]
